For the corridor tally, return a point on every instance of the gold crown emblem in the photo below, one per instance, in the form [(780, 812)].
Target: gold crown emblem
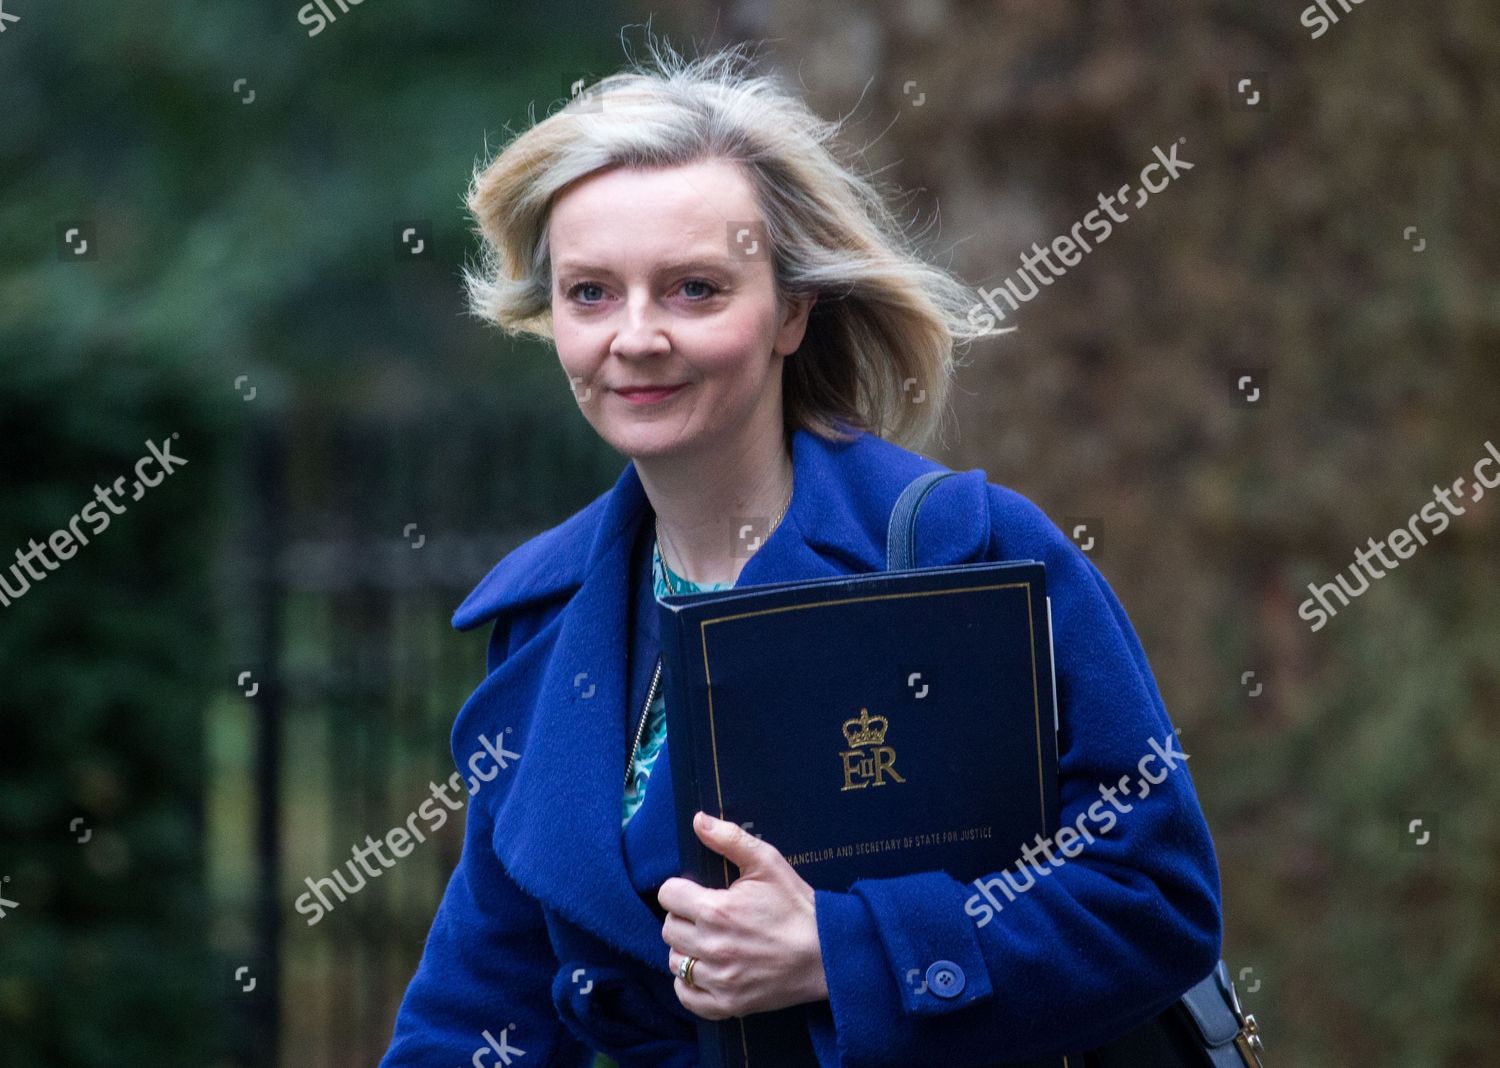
[(867, 729)]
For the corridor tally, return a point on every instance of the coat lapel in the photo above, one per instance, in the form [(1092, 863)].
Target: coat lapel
[(558, 828), (558, 825)]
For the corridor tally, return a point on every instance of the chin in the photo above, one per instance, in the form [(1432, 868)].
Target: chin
[(647, 440)]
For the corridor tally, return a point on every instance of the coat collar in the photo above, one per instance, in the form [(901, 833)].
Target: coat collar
[(572, 738)]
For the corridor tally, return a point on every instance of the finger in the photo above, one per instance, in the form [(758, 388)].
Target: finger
[(701, 1003), (702, 972), (700, 998), (682, 935), (698, 1002), (685, 897), (730, 840)]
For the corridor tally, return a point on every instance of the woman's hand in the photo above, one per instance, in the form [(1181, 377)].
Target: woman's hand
[(756, 942)]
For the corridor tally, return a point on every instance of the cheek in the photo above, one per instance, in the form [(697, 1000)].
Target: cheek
[(732, 348), (574, 350)]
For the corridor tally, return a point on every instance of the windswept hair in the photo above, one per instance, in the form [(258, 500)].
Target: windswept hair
[(878, 353)]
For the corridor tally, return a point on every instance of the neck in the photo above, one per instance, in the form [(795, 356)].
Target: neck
[(702, 500)]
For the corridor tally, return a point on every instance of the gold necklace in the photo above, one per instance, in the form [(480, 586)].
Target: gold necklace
[(666, 570)]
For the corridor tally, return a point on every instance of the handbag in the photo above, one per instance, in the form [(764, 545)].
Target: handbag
[(1205, 1027)]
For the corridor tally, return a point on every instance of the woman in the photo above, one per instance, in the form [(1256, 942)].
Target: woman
[(737, 313)]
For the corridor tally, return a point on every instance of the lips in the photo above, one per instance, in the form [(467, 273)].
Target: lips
[(642, 395)]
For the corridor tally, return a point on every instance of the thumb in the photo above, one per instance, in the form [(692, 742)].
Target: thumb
[(730, 840)]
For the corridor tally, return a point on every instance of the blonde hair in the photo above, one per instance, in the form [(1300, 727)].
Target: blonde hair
[(878, 353)]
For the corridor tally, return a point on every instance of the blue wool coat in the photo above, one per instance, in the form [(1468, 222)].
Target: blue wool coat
[(548, 937)]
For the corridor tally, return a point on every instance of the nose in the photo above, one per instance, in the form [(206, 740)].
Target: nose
[(640, 331)]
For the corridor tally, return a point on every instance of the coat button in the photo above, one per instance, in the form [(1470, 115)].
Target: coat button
[(945, 979)]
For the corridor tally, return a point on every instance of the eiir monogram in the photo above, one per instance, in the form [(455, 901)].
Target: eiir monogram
[(868, 757)]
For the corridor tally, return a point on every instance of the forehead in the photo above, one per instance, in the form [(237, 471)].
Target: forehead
[(642, 211)]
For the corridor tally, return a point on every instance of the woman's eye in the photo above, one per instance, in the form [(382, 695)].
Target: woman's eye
[(583, 285), (712, 289)]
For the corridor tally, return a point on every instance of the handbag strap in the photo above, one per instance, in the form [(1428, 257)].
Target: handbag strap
[(1223, 1032), (901, 538)]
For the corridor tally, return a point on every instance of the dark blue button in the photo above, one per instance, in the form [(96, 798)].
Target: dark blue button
[(945, 979)]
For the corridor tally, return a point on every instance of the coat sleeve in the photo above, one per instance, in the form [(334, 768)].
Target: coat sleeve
[(488, 964), (1096, 944)]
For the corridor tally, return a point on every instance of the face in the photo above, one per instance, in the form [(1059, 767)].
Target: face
[(649, 289)]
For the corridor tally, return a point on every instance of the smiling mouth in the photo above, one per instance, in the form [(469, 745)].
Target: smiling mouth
[(637, 395)]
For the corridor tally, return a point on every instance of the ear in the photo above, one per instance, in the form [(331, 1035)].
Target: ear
[(793, 325)]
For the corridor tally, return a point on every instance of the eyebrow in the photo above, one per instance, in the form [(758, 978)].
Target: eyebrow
[(699, 263)]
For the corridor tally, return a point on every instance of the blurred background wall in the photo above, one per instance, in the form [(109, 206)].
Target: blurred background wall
[(202, 210)]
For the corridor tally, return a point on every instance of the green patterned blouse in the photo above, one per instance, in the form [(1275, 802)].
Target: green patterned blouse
[(656, 717)]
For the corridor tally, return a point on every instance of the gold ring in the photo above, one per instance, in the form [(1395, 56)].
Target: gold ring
[(685, 969)]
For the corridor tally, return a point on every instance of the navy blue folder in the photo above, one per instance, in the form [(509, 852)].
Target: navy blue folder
[(868, 726)]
